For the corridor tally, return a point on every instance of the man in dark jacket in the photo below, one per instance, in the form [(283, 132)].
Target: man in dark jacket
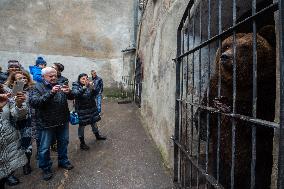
[(61, 80), (98, 83), (50, 101), (3, 77), (13, 66)]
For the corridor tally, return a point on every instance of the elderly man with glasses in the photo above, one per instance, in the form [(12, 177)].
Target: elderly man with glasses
[(50, 101)]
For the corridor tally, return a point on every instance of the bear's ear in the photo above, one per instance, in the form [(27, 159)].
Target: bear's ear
[(268, 33)]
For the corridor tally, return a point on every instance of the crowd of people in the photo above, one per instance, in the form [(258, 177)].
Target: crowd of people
[(40, 112)]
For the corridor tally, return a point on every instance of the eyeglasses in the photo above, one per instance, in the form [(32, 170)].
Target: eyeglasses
[(22, 78), (51, 76)]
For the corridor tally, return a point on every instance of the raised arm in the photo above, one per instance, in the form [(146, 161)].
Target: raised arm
[(36, 99)]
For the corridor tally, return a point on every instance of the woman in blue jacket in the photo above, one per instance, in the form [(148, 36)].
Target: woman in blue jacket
[(85, 105)]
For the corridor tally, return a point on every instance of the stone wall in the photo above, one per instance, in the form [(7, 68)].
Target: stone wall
[(157, 48), (83, 35)]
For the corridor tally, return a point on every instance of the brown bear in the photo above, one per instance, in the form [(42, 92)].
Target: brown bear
[(266, 63)]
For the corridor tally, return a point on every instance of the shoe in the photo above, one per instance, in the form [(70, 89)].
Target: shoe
[(83, 145), (67, 166), (47, 175), (100, 137), (11, 180), (27, 169)]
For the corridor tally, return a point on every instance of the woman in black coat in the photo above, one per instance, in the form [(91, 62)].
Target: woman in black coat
[(85, 105)]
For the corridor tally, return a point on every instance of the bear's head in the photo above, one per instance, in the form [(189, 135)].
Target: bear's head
[(244, 58), (266, 73)]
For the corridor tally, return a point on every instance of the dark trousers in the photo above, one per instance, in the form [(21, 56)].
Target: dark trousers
[(61, 134), (2, 183), (81, 130)]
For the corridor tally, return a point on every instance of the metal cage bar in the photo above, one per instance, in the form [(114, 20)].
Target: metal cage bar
[(254, 102), (281, 61), (219, 90), (177, 104), (193, 80)]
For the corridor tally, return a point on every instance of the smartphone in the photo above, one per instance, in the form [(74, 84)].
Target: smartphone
[(18, 87)]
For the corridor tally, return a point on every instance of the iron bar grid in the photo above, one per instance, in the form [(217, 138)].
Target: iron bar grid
[(208, 177), (272, 8), (255, 122)]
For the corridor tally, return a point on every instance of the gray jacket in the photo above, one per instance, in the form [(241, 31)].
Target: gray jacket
[(11, 155)]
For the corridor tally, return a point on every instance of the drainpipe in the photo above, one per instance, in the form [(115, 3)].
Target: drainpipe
[(135, 22)]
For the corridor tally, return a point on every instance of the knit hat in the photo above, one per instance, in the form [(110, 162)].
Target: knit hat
[(40, 60), (14, 63)]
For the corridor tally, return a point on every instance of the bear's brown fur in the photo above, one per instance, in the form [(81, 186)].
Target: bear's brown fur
[(265, 109)]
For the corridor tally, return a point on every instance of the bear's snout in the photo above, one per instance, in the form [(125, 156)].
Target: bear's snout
[(225, 56)]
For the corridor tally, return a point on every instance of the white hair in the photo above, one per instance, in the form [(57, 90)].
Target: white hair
[(47, 70)]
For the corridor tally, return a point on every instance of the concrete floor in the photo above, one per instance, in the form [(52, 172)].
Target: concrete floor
[(127, 159)]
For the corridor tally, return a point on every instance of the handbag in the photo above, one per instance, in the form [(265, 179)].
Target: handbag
[(97, 117), (74, 117)]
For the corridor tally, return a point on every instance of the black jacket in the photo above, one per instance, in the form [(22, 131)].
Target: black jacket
[(98, 82), (3, 77), (85, 103), (61, 80), (52, 109)]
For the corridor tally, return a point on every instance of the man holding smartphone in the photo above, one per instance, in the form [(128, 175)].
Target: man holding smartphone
[(50, 101), (13, 66), (98, 83)]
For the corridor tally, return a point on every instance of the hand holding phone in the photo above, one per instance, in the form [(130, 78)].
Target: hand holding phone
[(65, 89), (3, 100), (18, 87), (20, 99), (55, 89)]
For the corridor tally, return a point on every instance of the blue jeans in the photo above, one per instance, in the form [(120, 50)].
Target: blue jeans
[(81, 129), (99, 102), (62, 136)]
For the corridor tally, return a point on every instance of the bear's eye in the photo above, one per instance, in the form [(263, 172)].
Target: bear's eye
[(226, 47)]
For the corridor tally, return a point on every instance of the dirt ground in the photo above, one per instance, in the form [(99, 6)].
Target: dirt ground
[(127, 159)]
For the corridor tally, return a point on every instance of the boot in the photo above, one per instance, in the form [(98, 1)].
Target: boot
[(47, 174), (27, 168), (83, 145), (99, 137), (11, 180), (2, 183), (37, 149)]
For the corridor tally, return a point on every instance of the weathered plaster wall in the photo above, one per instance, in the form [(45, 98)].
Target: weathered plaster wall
[(109, 69), (157, 47), (65, 30)]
